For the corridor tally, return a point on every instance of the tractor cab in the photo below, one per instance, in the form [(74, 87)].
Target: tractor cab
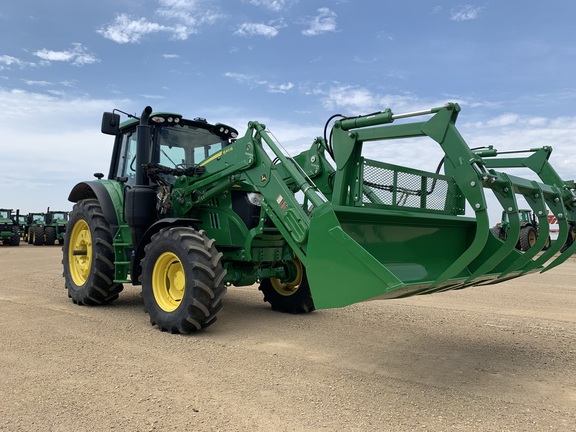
[(167, 139)]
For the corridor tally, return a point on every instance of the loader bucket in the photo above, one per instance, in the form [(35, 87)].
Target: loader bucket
[(355, 254), (391, 231)]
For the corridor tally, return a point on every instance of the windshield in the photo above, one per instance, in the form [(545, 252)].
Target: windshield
[(184, 145), (58, 216), (4, 214), (38, 217)]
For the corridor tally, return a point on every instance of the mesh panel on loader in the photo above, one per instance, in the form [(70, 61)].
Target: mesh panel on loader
[(395, 186)]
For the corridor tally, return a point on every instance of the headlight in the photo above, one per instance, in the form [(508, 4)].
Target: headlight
[(255, 198)]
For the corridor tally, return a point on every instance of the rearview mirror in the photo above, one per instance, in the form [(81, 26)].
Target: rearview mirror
[(110, 123)]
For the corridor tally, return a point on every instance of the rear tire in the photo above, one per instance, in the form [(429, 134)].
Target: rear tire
[(182, 280), (528, 236), (15, 239), (88, 256), (38, 236), (570, 239), (50, 236), (290, 297), (498, 233)]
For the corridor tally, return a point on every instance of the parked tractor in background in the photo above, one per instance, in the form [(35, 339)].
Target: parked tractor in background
[(529, 230), (554, 231), (47, 228), (34, 233), (55, 226), (188, 209), (571, 237), (22, 221), (9, 230)]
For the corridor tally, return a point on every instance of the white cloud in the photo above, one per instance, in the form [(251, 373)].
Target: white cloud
[(255, 29), (250, 80), (241, 78), (78, 55), (359, 100), (180, 18), (506, 119), (125, 29), (38, 83), (7, 62), (275, 5), (280, 88), (465, 13), (324, 22), (151, 96), (170, 56), (187, 16), (254, 81)]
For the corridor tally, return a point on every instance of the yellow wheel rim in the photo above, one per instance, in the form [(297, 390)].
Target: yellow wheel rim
[(290, 287), (168, 281), (532, 238), (80, 252)]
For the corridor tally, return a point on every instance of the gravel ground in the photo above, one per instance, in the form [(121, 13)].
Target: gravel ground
[(499, 358)]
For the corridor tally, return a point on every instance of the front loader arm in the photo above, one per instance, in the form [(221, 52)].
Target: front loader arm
[(246, 163)]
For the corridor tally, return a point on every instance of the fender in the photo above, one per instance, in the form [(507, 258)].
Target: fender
[(103, 193)]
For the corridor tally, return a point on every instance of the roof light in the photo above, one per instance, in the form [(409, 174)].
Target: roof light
[(157, 119)]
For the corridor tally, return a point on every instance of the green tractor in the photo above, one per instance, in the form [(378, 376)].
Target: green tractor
[(22, 221), (9, 230), (34, 233), (529, 230), (190, 208), (55, 226)]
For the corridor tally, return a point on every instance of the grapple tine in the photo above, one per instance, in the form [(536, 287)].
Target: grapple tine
[(570, 210), (556, 206), (537, 202), (482, 232), (503, 190), (562, 257)]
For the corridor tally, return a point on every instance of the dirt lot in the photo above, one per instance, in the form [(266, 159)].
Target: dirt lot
[(498, 358)]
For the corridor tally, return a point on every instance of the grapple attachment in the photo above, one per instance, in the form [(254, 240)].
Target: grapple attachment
[(389, 231)]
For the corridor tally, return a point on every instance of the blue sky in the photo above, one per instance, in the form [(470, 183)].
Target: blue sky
[(287, 63)]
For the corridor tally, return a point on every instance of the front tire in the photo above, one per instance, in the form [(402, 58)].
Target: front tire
[(88, 256), (292, 296), (528, 236), (182, 280)]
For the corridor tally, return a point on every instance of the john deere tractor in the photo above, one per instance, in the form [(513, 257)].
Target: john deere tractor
[(9, 230), (55, 226), (22, 221), (34, 233), (189, 208), (529, 230)]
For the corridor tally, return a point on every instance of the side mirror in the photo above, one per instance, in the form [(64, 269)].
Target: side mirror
[(110, 123)]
